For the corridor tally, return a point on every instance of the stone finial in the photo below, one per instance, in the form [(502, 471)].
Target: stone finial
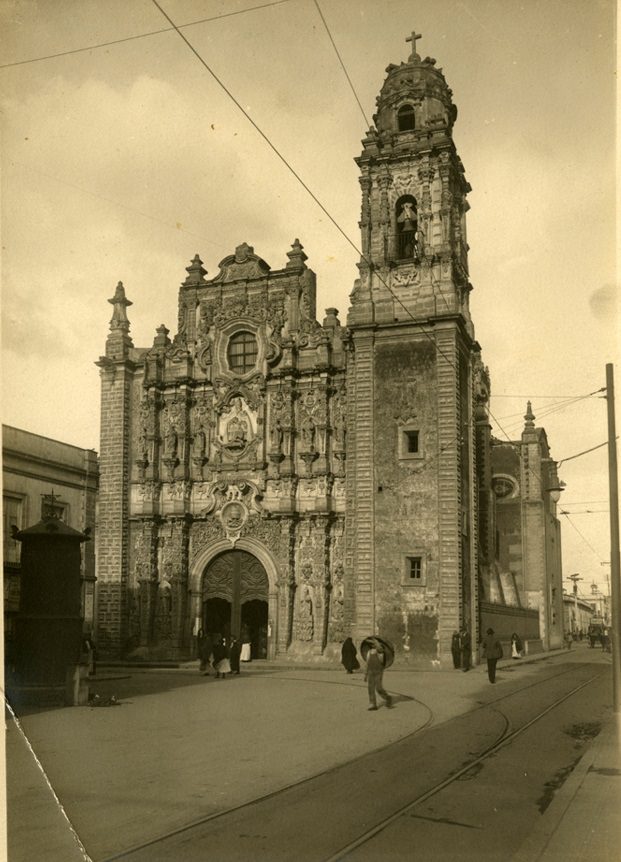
[(161, 339), (529, 416), (296, 256), (331, 320), (119, 302), (196, 273)]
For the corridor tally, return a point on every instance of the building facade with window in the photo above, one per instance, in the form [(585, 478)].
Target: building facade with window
[(41, 476), (289, 482)]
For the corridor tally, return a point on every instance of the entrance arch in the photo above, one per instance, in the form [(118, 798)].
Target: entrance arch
[(235, 599), (200, 562)]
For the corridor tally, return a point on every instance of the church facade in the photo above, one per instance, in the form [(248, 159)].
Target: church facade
[(305, 481)]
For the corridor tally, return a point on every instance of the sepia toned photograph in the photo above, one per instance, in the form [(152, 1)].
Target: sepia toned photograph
[(309, 438)]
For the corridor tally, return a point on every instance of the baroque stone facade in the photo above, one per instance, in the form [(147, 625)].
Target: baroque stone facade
[(271, 477)]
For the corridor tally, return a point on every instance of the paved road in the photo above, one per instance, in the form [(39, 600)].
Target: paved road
[(181, 749), (486, 811)]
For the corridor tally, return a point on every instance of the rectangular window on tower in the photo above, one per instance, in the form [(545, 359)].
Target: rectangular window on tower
[(414, 570), (410, 443)]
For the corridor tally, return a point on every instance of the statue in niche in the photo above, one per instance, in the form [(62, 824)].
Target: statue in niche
[(163, 620), (339, 430), (171, 443), (305, 620), (276, 435), (408, 221), (307, 433), (200, 443), (408, 216), (237, 430)]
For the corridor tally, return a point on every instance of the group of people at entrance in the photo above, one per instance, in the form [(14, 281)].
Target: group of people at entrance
[(222, 654)]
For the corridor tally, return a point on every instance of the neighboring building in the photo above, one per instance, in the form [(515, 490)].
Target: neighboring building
[(263, 473), (528, 567), (601, 603), (39, 476), (577, 614)]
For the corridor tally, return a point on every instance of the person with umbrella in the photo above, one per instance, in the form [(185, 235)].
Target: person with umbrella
[(378, 655)]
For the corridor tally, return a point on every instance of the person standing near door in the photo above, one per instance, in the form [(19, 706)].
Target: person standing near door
[(246, 645), (235, 655), (492, 651), (221, 659)]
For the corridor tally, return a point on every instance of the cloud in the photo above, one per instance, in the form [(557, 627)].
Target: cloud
[(603, 302)]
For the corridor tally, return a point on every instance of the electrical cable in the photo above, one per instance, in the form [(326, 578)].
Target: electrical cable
[(138, 36)]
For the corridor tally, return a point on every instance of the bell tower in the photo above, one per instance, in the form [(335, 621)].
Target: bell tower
[(411, 514), (414, 261)]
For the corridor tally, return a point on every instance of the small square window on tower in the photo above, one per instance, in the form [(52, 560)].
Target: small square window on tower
[(410, 443), (414, 570)]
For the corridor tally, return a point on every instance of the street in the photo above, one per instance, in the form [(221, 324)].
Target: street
[(283, 764)]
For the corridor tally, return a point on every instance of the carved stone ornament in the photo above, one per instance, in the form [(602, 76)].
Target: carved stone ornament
[(404, 276), (244, 264), (404, 400), (233, 515), (236, 425)]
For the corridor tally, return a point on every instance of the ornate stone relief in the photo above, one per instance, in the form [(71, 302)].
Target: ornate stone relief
[(232, 504), (404, 276)]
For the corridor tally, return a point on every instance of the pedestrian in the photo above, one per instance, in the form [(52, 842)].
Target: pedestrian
[(606, 640), (349, 659), (246, 644), (465, 643), (204, 644), (456, 650), (376, 662), (235, 655), (221, 659), (492, 651), (516, 646)]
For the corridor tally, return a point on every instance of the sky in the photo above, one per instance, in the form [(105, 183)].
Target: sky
[(122, 162)]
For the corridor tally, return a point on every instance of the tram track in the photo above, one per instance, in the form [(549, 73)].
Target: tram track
[(505, 739), (506, 734)]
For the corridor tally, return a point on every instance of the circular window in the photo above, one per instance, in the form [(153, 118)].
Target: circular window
[(503, 487), (242, 352)]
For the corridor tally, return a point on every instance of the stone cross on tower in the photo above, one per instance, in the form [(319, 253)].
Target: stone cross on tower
[(413, 39)]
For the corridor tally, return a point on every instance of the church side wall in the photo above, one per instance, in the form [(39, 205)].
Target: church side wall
[(406, 493)]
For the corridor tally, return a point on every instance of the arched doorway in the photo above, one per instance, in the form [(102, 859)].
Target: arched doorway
[(235, 599)]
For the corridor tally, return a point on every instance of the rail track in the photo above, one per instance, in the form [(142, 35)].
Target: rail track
[(506, 734)]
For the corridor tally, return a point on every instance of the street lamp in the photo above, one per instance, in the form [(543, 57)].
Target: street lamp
[(556, 491)]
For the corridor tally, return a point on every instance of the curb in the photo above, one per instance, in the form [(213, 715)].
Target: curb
[(536, 845)]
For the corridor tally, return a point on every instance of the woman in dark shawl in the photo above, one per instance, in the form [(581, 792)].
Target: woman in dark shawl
[(349, 659)]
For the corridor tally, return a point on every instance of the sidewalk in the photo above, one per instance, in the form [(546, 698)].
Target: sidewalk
[(163, 757), (584, 819)]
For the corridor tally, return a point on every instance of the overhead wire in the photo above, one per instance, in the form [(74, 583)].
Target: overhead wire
[(565, 514), (177, 29), (562, 404), (139, 35), (297, 176)]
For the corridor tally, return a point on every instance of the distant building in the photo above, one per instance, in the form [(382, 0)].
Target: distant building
[(527, 568), (268, 476), (577, 614), (40, 475)]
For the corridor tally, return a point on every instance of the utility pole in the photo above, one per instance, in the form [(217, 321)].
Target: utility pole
[(615, 573)]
